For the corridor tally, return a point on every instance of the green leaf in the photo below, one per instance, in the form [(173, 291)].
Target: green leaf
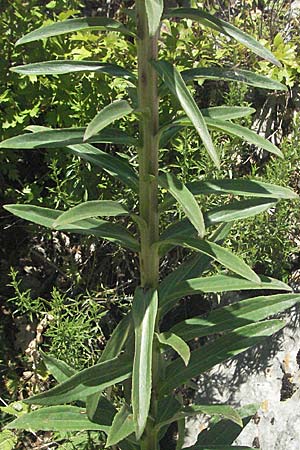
[(233, 211), (144, 310), (116, 110), (216, 352), (217, 253), (244, 76), (180, 412), (245, 134), (219, 447), (90, 209), (191, 268), (123, 330), (8, 440), (73, 25), (60, 370), (227, 112), (99, 409), (122, 426), (223, 27), (95, 227), (154, 10), (177, 344), (64, 137), (222, 433), (86, 382), (57, 418), (242, 187), (236, 315), (216, 283), (61, 67), (237, 210), (112, 164), (177, 86), (186, 199)]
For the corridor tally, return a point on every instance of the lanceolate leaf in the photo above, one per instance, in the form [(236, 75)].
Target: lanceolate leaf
[(154, 10), (122, 426), (216, 352), (60, 370), (177, 344), (236, 315), (181, 412), (118, 339), (227, 213), (112, 164), (245, 134), (73, 25), (177, 86), (86, 382), (219, 447), (61, 67), (57, 418), (186, 199), (218, 253), (96, 227), (216, 283), (222, 433), (191, 268), (89, 209), (242, 187), (64, 137), (144, 310), (244, 76), (106, 116), (223, 27)]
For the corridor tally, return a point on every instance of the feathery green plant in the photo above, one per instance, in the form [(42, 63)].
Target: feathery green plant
[(137, 355)]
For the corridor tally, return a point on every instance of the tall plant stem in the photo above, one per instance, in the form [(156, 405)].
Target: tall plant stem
[(148, 187), (148, 151)]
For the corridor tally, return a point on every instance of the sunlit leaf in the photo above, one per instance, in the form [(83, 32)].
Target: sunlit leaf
[(206, 19), (73, 25), (57, 418), (85, 383), (95, 227), (90, 209), (144, 310), (60, 370), (116, 110), (177, 344), (177, 86), (122, 426), (61, 67), (186, 199), (154, 10), (215, 284), (218, 253), (216, 352), (118, 338), (63, 137), (236, 315), (244, 76)]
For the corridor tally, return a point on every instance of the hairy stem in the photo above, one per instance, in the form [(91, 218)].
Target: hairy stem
[(148, 187)]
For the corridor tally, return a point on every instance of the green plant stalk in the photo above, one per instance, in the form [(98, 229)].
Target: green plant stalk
[(147, 48)]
